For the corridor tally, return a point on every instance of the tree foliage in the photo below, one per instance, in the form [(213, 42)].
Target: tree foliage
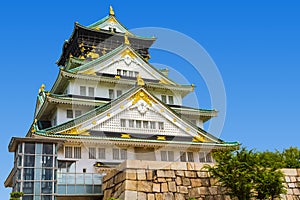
[(247, 174)]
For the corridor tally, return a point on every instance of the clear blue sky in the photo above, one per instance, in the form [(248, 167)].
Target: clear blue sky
[(255, 44)]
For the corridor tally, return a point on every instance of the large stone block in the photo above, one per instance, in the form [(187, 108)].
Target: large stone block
[(130, 174), (164, 187), (107, 194), (158, 165), (179, 173), (190, 174), (182, 189), (290, 172), (169, 196), (159, 196), (179, 196), (205, 182), (196, 182), (150, 196), (178, 166), (178, 180), (204, 190), (142, 195), (132, 195), (172, 186), (202, 174), (141, 174), (186, 181), (194, 193), (156, 187), (161, 180), (213, 190), (144, 186), (149, 175), (160, 174), (130, 185)]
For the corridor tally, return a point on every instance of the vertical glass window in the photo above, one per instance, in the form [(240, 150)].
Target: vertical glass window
[(201, 157), (131, 123), (160, 125), (163, 155), (47, 174), (47, 148), (138, 124), (28, 174), (68, 152), (20, 148), (116, 155), (208, 157), (164, 98), (28, 188), (131, 73), (123, 154), (145, 124), (77, 152), (78, 113), (182, 156), (69, 113), (101, 153), (119, 93), (82, 90), (190, 156), (91, 91), (29, 161), (153, 125), (123, 122), (92, 153), (47, 161), (124, 73), (29, 148), (171, 156), (111, 93), (171, 100), (119, 72)]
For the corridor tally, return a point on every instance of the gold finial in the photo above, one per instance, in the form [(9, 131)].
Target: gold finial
[(140, 81), (111, 11), (42, 88), (126, 40)]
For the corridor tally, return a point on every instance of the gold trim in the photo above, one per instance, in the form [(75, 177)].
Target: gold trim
[(141, 95), (125, 136), (161, 137), (111, 11)]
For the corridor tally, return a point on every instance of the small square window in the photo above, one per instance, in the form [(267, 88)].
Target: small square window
[(164, 98), (101, 153), (82, 90), (152, 125), (171, 100), (160, 125), (84, 170), (70, 114), (91, 91)]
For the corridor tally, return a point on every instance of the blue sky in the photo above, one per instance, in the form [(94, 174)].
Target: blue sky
[(255, 44)]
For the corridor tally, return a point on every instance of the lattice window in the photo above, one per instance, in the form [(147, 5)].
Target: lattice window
[(82, 90), (68, 152), (101, 153), (190, 156), (92, 153), (77, 152)]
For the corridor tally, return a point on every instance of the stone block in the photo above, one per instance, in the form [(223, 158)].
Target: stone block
[(172, 186), (190, 166), (202, 174), (159, 196), (182, 189), (144, 186), (130, 185), (291, 185), (156, 187), (290, 172), (161, 180), (130, 174), (296, 191), (179, 173), (213, 190), (196, 182), (169, 179), (107, 193), (164, 187), (205, 182), (179, 196), (178, 166), (141, 174), (190, 174), (287, 179), (149, 175), (169, 196), (293, 179), (119, 177), (178, 180), (194, 192), (141, 195), (170, 174), (109, 175), (130, 195), (150, 196), (160, 174), (186, 181), (157, 165), (204, 190)]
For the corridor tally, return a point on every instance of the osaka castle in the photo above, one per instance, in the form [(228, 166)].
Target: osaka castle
[(108, 104)]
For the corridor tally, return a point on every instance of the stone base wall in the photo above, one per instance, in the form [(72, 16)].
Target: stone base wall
[(152, 180)]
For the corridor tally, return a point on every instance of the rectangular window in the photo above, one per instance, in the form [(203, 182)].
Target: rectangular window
[(164, 98), (119, 72), (101, 153), (171, 100), (78, 113), (208, 158), (202, 157), (91, 91), (163, 155), (131, 123), (92, 153), (47, 148), (68, 152), (160, 125), (77, 152), (153, 125), (123, 154), (111, 93), (183, 156), (70, 114), (145, 124), (124, 73), (190, 156), (119, 93), (123, 122), (131, 73), (138, 123), (82, 90), (171, 156), (116, 155)]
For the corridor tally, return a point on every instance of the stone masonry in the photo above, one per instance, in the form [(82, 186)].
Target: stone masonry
[(151, 180)]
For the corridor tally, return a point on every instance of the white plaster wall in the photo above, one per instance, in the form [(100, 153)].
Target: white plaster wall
[(61, 112)]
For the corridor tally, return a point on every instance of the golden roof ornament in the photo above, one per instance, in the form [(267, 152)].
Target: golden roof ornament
[(111, 11), (42, 88), (126, 40), (140, 81)]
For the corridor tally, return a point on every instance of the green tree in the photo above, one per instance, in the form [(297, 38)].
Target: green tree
[(291, 157), (16, 195), (248, 174)]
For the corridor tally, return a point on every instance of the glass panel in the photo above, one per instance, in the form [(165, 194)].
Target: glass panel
[(88, 179), (123, 122), (163, 155), (61, 189), (28, 174), (19, 161), (70, 189), (47, 161), (190, 156), (77, 152), (29, 148), (89, 189), (116, 155), (131, 123), (28, 188), (123, 154), (70, 114), (164, 98), (20, 148), (68, 152), (97, 178), (91, 91), (38, 148), (80, 189), (111, 94), (61, 178), (79, 178), (208, 157), (160, 125), (48, 149), (82, 90), (97, 189), (48, 197), (92, 153), (47, 174), (27, 198), (145, 124), (70, 178), (138, 124), (182, 156), (201, 157), (47, 187), (171, 100), (171, 155), (101, 153), (153, 125)]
